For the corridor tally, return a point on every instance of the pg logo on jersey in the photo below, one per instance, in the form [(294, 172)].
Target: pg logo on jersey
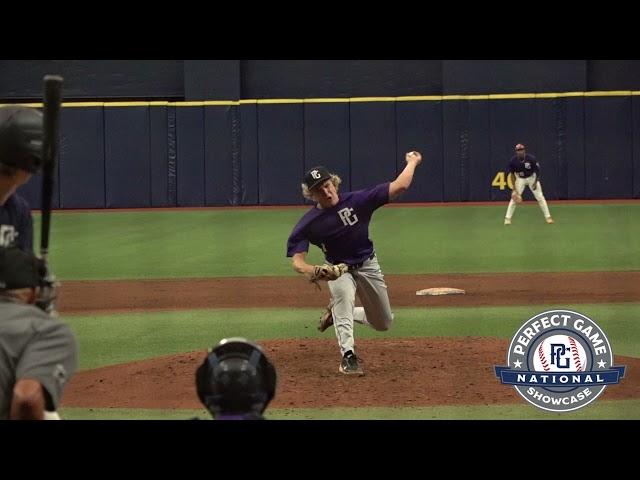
[(560, 361), (347, 216), (8, 235)]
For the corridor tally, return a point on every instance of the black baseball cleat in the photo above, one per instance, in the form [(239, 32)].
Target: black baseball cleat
[(349, 364), (326, 320)]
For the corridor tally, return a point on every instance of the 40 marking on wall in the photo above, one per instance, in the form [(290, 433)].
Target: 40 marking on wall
[(500, 182)]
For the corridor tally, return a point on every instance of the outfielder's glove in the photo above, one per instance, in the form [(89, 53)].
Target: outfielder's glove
[(327, 272), (516, 197)]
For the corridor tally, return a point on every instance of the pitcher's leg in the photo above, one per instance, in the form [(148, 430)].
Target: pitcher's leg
[(372, 291), (359, 316), (343, 293)]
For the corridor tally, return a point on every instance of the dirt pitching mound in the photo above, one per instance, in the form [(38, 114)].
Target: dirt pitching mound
[(399, 373)]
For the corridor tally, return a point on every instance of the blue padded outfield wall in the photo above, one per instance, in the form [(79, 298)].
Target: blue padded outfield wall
[(254, 152)]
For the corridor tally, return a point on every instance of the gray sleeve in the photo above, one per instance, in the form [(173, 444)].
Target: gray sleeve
[(50, 358)]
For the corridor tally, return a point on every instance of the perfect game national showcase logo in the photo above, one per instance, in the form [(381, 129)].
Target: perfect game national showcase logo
[(560, 361)]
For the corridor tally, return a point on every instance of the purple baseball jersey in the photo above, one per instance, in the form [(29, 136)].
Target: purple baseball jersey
[(16, 224), (342, 231), (525, 168)]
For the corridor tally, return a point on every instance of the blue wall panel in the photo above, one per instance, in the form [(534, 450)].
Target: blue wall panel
[(512, 122), (479, 171), (326, 139), (373, 143), (32, 191), (222, 184), (82, 158), (455, 137), (552, 149), (127, 165), (608, 149), (190, 161), (249, 154), (280, 156), (561, 146), (248, 124), (467, 172), (636, 146), (419, 127), (158, 157), (575, 147)]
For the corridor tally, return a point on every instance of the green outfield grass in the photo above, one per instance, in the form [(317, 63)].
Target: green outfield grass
[(112, 339), (213, 243), (162, 244), (599, 410)]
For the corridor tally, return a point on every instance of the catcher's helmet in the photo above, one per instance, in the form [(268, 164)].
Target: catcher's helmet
[(21, 133), (19, 269), (236, 378)]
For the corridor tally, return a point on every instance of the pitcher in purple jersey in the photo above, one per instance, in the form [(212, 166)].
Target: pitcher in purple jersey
[(339, 226), (21, 132), (526, 170)]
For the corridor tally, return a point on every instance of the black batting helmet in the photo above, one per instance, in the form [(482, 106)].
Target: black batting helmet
[(21, 133), (236, 378), (20, 269)]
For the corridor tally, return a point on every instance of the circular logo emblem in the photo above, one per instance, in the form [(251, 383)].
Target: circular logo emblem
[(560, 361)]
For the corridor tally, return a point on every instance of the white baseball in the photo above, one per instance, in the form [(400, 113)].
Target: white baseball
[(574, 357)]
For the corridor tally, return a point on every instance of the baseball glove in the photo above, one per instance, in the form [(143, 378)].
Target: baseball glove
[(516, 197), (327, 272)]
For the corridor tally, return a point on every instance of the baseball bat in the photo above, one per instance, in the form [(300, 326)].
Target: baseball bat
[(51, 115)]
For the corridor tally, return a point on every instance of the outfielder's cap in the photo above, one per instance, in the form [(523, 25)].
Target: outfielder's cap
[(19, 269), (315, 176), (21, 134), (520, 146)]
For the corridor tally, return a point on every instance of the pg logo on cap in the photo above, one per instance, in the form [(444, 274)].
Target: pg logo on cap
[(560, 361)]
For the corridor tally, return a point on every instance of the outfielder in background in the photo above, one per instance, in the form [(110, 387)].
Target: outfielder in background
[(21, 132), (38, 353), (339, 226), (526, 170)]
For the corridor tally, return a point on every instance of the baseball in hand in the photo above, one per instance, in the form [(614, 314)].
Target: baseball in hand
[(413, 157)]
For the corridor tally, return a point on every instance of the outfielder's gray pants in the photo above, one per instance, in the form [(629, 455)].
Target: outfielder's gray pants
[(368, 282)]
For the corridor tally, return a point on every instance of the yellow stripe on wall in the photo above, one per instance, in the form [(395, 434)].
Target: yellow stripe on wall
[(608, 94), (83, 104), (326, 100), (465, 97), (419, 98), (372, 99), (275, 101), (33, 105), (220, 102), (280, 100), (509, 96), (126, 104)]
